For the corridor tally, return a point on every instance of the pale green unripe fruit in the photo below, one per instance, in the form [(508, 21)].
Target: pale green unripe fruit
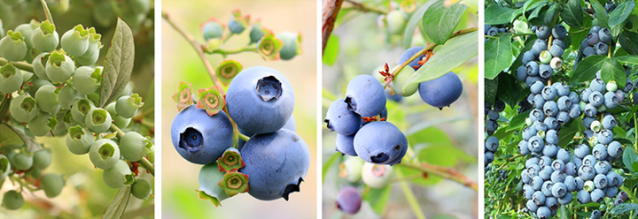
[(60, 67), (10, 79), (39, 65), (119, 175), (401, 80), (23, 108), (45, 38), (13, 47), (75, 42), (376, 175), (47, 98)]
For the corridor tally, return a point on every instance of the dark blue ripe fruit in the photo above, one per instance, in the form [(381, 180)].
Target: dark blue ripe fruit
[(260, 100), (276, 164), (349, 200), (441, 92), (200, 138), (409, 53), (341, 120), (380, 143), (365, 96), (345, 144)]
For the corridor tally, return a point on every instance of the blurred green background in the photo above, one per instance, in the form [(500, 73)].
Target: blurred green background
[(180, 62), (85, 194), (445, 137)]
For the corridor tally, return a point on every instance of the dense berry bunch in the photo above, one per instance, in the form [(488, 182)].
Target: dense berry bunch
[(491, 124)]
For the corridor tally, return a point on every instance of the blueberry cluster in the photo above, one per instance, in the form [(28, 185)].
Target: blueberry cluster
[(492, 30), (62, 98), (540, 63), (597, 42), (260, 102), (491, 124)]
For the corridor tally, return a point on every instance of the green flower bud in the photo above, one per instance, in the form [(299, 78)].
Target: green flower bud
[(45, 38), (60, 67), (75, 42), (10, 79)]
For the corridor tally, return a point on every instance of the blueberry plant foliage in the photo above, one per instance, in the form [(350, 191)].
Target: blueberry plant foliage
[(62, 84), (241, 129), (380, 136), (561, 135)]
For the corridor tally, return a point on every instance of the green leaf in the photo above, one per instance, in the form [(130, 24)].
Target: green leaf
[(624, 207), (518, 121), (439, 21), (612, 70), (491, 87), (496, 14), (328, 164), (415, 18), (572, 13), (629, 156), (550, 14), (587, 68), (118, 64), (378, 198), (332, 50), (621, 13), (629, 42), (568, 131), (118, 204), (633, 60), (498, 55), (13, 136), (508, 89), (451, 55), (601, 13)]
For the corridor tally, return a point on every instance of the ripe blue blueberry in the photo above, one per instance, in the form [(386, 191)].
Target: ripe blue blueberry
[(583, 197), (380, 143), (532, 69), (345, 144), (543, 32), (528, 57), (409, 53), (341, 120), (605, 136), (441, 92), (614, 149), (545, 71), (597, 195), (200, 138), (559, 31), (550, 108), (365, 96), (604, 35)]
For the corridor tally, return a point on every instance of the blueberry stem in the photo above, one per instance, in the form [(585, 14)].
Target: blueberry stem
[(47, 13), (363, 8), (330, 12), (444, 172), (234, 51), (20, 65), (243, 137), (147, 165), (409, 195)]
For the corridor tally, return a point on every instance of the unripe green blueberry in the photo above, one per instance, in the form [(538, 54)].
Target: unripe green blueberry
[(47, 99), (98, 120), (67, 97), (141, 188), (52, 184), (212, 29), (151, 154), (5, 167), (79, 140), (45, 38), (396, 20), (86, 80), (60, 67), (41, 159), (140, 6), (118, 120), (39, 65), (401, 80), (134, 146), (94, 97), (104, 154), (556, 63), (376, 175), (257, 32), (22, 161), (80, 109), (589, 186), (75, 41), (595, 126), (42, 124), (127, 106), (612, 86), (10, 79), (292, 45), (27, 31), (119, 175), (93, 52), (545, 57), (23, 108), (34, 173), (13, 47), (351, 169), (61, 129), (12, 200)]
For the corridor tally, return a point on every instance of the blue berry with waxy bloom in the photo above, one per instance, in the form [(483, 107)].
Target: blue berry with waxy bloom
[(543, 32), (345, 144), (365, 96), (441, 92), (409, 53), (341, 120), (200, 138), (349, 200), (380, 143)]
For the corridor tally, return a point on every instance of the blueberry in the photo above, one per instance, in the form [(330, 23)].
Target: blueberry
[(590, 160), (200, 138), (614, 149), (581, 151), (600, 152), (550, 150), (532, 79), (260, 100), (583, 197), (596, 99), (551, 137), (597, 84), (539, 46), (543, 32), (345, 144), (601, 48), (528, 57), (566, 199), (489, 157), (545, 161), (589, 51), (545, 71), (276, 164), (537, 87), (575, 112), (570, 183), (441, 92), (409, 53), (292, 45), (550, 108), (536, 115), (564, 103), (539, 101), (543, 212), (559, 31), (600, 181), (209, 177), (592, 38), (376, 175), (349, 200), (536, 144), (531, 206), (611, 100), (492, 31), (556, 51), (557, 177), (525, 177), (604, 35), (570, 169), (341, 120), (549, 93), (380, 143), (539, 198), (491, 144), (551, 123), (521, 73), (586, 172), (523, 148), (611, 192), (558, 43), (605, 136), (602, 167), (597, 195), (563, 155)]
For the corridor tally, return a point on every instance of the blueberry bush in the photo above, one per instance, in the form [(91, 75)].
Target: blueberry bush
[(66, 90), (241, 131), (399, 85), (560, 113)]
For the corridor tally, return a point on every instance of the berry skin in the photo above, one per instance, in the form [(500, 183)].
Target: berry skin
[(408, 54), (559, 31), (67, 97), (600, 181), (212, 30), (611, 100), (597, 195), (550, 108), (119, 175), (52, 184), (543, 32), (98, 120), (538, 47), (141, 188), (349, 200), (345, 144), (75, 42), (545, 71), (441, 92), (13, 47), (45, 38), (537, 87), (609, 122), (401, 80), (528, 57), (10, 79), (47, 99), (380, 143), (556, 51), (365, 96), (601, 48), (605, 136), (127, 106), (549, 93), (260, 100), (41, 159), (200, 138), (292, 45), (276, 164), (86, 80), (581, 151), (583, 197), (79, 140), (134, 146), (12, 200), (60, 67), (491, 144), (604, 35), (104, 153), (614, 149), (341, 120), (592, 39), (596, 98), (375, 175)]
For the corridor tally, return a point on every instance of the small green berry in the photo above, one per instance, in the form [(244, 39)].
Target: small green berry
[(22, 161), (34, 173), (612, 86), (127, 106), (10, 79), (257, 32), (119, 175), (545, 57), (79, 140), (141, 188), (23, 108), (86, 80), (41, 159), (80, 109), (237, 24), (134, 146), (151, 154), (52, 184), (45, 38), (98, 120), (212, 29), (61, 129), (13, 47), (60, 67), (12, 200), (75, 42), (93, 52), (47, 99), (5, 167), (39, 65), (27, 31), (104, 154), (42, 124), (292, 45), (396, 21), (402, 79)]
